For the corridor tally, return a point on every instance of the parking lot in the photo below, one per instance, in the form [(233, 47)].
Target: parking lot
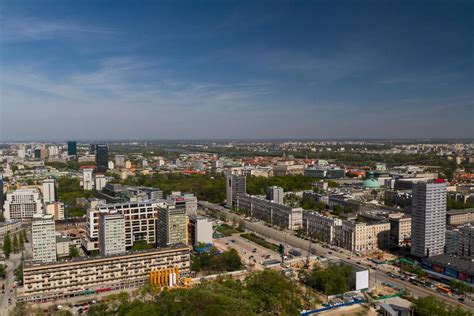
[(253, 255)]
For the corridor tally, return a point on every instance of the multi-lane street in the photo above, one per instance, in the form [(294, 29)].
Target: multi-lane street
[(287, 238)]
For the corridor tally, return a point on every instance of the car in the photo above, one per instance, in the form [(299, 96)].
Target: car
[(330, 252), (232, 240), (348, 258), (461, 299), (358, 262)]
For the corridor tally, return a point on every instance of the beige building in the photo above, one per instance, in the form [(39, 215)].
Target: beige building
[(90, 275), (286, 168), (320, 227), (459, 217), (361, 236), (400, 231), (56, 209)]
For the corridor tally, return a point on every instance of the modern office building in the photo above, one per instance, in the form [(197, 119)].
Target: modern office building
[(451, 245), (428, 230), (320, 227), (236, 184), (87, 179), (90, 275), (100, 181), (48, 189), (22, 204), (72, 148), (43, 235), (275, 194), (200, 230), (111, 234), (102, 157), (171, 225), (273, 213), (140, 222), (56, 209), (466, 241)]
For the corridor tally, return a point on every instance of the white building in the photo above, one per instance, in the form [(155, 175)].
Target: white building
[(100, 181), (87, 180), (119, 161), (56, 209), (48, 190), (22, 204), (43, 234), (428, 230), (200, 230), (275, 194), (53, 151), (111, 234)]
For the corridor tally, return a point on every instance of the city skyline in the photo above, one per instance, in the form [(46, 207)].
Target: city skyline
[(236, 70)]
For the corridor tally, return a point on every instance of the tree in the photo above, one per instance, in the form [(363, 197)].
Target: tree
[(23, 232), (330, 280), (2, 271), (430, 305), (7, 246), (460, 287), (73, 252), (19, 273), (21, 241), (16, 246)]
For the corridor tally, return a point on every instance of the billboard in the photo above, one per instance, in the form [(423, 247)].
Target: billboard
[(362, 280)]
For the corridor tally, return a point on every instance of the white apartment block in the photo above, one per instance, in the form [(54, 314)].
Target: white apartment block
[(67, 279), (100, 181), (48, 190), (320, 227), (43, 233), (140, 222), (355, 236), (200, 230), (276, 214), (111, 234), (428, 230), (56, 209), (87, 180), (22, 204)]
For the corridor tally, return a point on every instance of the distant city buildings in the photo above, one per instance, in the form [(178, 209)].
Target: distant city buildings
[(72, 148), (43, 234), (87, 179), (428, 219), (100, 181), (102, 157)]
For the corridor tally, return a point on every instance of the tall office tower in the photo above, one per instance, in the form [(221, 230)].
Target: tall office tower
[(428, 229), (466, 241), (87, 182), (100, 182), (71, 148), (111, 233), (235, 184), (119, 161), (1, 193), (22, 204), (49, 190), (171, 225), (43, 234), (275, 194), (102, 157), (92, 149)]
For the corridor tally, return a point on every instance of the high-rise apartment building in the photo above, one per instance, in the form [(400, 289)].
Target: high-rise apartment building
[(275, 194), (87, 182), (111, 234), (200, 230), (102, 157), (428, 228), (71, 148), (22, 204), (99, 181), (119, 161), (171, 225), (43, 235), (49, 190), (236, 184)]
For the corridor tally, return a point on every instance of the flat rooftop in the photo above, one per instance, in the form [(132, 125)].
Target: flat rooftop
[(463, 264)]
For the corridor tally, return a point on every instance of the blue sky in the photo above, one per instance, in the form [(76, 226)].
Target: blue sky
[(225, 69)]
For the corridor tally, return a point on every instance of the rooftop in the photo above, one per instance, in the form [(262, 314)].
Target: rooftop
[(461, 211), (463, 264)]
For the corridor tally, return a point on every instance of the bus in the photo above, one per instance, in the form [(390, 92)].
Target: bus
[(444, 289)]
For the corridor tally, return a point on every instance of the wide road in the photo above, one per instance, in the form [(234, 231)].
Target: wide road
[(286, 237)]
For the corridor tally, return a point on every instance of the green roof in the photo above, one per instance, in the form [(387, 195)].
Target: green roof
[(371, 183)]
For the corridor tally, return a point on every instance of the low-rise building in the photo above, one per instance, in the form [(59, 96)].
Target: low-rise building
[(460, 217), (56, 209), (22, 204), (356, 236), (63, 244), (286, 168), (81, 276), (276, 214)]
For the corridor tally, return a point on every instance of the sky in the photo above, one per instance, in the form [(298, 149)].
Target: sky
[(236, 69)]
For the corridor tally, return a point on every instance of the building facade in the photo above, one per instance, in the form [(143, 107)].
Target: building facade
[(466, 241), (236, 184), (355, 236), (43, 235), (93, 275), (48, 190), (87, 179), (428, 219), (22, 204), (56, 209), (100, 181), (111, 234), (275, 194), (400, 231), (320, 227), (171, 225), (273, 213), (460, 217), (200, 230), (72, 148), (102, 157)]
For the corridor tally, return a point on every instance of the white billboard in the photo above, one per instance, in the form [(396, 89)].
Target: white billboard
[(362, 280)]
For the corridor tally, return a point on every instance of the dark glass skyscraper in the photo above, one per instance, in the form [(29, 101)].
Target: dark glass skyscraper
[(71, 148), (1, 193), (102, 157)]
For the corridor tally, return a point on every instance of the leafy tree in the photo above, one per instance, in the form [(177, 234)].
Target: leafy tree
[(19, 273), (430, 305), (21, 241), (7, 246), (23, 232), (215, 262), (459, 286), (16, 246), (2, 271), (331, 280), (73, 252)]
